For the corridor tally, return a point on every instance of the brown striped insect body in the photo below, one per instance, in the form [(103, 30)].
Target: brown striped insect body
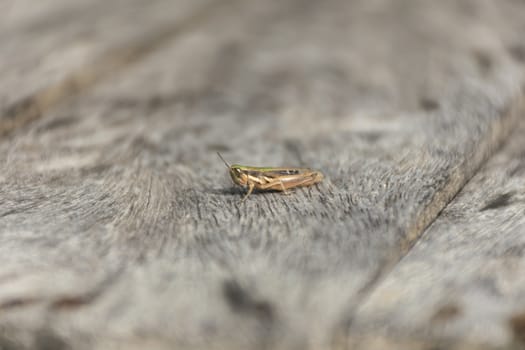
[(271, 178)]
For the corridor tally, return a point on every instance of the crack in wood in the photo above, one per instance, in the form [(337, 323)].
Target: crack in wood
[(492, 144)]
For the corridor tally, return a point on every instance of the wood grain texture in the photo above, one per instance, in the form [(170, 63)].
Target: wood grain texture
[(462, 285), (119, 226), (51, 52)]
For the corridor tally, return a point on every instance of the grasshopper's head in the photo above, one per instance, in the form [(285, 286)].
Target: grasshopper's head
[(237, 172), (238, 175)]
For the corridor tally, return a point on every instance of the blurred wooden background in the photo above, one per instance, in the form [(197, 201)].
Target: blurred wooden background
[(119, 226)]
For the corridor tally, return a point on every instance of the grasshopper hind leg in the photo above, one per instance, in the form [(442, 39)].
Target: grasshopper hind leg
[(284, 190), (279, 183)]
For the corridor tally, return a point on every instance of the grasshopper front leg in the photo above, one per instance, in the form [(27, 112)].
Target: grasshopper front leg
[(251, 186)]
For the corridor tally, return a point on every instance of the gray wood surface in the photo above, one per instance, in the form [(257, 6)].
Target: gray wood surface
[(119, 226), (462, 285), (53, 50)]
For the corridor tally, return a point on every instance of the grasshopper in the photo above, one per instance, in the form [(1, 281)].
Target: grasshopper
[(270, 178)]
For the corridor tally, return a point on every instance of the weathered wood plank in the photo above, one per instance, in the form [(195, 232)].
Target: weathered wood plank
[(19, 14), (49, 55), (118, 224), (462, 285)]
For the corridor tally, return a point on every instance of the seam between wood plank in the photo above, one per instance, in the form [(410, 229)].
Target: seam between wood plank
[(488, 147), (31, 108)]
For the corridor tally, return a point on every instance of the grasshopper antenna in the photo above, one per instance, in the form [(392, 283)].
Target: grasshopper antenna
[(225, 162)]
